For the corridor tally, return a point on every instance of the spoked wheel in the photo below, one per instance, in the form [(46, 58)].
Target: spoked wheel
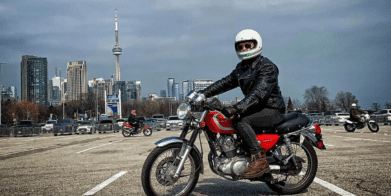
[(349, 127), (373, 127), (160, 166), (294, 181), (126, 133), (148, 132)]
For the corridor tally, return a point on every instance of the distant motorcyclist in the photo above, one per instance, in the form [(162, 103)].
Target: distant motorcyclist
[(354, 116), (262, 107), (133, 121)]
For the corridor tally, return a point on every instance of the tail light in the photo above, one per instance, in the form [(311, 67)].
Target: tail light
[(317, 129)]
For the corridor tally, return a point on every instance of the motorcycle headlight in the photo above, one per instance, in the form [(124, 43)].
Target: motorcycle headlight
[(183, 110)]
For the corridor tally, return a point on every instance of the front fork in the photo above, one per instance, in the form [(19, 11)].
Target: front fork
[(187, 145)]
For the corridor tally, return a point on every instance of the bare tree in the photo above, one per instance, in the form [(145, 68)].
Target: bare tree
[(376, 107), (344, 100), (387, 105), (316, 98)]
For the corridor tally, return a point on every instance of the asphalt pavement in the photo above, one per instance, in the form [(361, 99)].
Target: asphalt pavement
[(357, 163)]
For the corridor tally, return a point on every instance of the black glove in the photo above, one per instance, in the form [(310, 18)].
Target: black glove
[(229, 111)]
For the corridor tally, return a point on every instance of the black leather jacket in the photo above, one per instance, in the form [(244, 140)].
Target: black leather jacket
[(258, 80)]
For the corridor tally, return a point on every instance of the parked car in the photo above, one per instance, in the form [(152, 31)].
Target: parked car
[(173, 122), (27, 128), (386, 113), (86, 127), (342, 117), (121, 121), (142, 118), (108, 124), (161, 121), (66, 125), (49, 126)]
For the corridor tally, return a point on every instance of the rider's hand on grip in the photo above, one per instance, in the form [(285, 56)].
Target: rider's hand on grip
[(229, 111)]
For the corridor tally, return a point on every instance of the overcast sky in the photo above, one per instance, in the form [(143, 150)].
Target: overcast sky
[(343, 45)]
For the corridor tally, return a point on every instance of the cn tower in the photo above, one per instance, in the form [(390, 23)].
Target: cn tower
[(117, 51)]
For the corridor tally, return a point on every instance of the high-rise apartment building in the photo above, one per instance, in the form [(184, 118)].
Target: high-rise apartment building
[(34, 79), (170, 83), (201, 84), (129, 90), (76, 80), (185, 88), (175, 91), (163, 93)]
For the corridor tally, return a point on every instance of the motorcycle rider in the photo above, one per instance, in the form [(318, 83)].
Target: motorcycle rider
[(133, 121), (262, 107), (353, 113)]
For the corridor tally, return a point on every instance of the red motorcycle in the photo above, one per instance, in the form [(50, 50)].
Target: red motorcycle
[(174, 166), (128, 130)]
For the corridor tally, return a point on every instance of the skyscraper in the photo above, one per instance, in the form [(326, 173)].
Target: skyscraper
[(170, 82), (34, 79), (163, 93), (175, 91), (185, 88), (117, 51), (76, 80)]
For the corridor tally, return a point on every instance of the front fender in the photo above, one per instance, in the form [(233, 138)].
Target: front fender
[(173, 140), (349, 122)]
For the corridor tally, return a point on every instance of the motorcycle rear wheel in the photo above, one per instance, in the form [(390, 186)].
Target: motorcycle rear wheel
[(349, 127), (148, 132), (126, 133), (156, 175), (310, 166), (374, 127)]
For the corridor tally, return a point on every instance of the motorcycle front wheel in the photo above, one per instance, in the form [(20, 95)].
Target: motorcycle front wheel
[(159, 167), (297, 180), (349, 127), (374, 127), (148, 132)]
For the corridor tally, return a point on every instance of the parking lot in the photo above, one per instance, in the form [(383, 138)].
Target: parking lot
[(355, 163)]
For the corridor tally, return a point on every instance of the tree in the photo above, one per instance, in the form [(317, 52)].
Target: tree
[(376, 107), (387, 105), (27, 110), (290, 105), (316, 98), (344, 100)]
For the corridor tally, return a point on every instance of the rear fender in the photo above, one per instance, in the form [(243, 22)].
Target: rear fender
[(173, 140), (371, 121), (146, 127)]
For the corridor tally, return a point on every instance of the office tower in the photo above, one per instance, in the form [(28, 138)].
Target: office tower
[(64, 90), (34, 79), (163, 93), (50, 91), (170, 82), (120, 85), (117, 51), (175, 91), (76, 80), (13, 91), (185, 88)]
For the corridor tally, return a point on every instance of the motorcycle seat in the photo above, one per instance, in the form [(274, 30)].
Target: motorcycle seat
[(292, 122)]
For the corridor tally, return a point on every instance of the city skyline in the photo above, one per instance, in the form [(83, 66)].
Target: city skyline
[(328, 44)]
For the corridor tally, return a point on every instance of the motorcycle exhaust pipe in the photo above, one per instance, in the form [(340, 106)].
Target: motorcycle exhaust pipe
[(274, 167)]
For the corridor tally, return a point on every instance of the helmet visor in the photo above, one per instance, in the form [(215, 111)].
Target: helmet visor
[(245, 45)]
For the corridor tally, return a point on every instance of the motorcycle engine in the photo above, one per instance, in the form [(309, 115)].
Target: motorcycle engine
[(229, 162)]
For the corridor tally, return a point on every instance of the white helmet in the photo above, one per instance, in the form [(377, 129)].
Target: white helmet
[(354, 105), (248, 35)]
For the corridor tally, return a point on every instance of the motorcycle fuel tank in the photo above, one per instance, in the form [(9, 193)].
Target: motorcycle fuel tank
[(217, 123)]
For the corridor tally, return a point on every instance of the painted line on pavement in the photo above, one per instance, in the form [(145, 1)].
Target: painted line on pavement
[(329, 145), (98, 146), (105, 183), (333, 187)]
